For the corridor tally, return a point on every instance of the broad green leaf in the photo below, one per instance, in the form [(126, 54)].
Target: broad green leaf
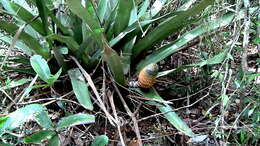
[(144, 8), (43, 13), (20, 45), (80, 88), (133, 16), (130, 29), (214, 60), (63, 50), (27, 5), (5, 144), (20, 116), (54, 78), (69, 41), (54, 141), (22, 70), (101, 140), (85, 14), (219, 58), (115, 64), (44, 120), (168, 27), (102, 8), (17, 83), (31, 42), (24, 15), (76, 119), (171, 116), (65, 30), (256, 40), (109, 24), (16, 10), (251, 77), (3, 120), (39, 137), (77, 24), (126, 57), (175, 46), (123, 15), (41, 67), (88, 15), (20, 59)]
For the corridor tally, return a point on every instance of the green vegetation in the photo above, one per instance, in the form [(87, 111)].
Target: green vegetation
[(92, 48)]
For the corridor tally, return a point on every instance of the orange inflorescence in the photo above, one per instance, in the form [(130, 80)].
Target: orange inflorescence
[(145, 80)]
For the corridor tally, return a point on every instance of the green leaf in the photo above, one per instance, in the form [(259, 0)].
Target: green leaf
[(22, 70), (54, 78), (133, 16), (167, 72), (39, 137), (65, 30), (54, 141), (101, 140), (126, 57), (63, 50), (20, 45), (80, 88), (83, 13), (28, 40), (143, 9), (76, 119), (44, 120), (20, 116), (115, 64), (123, 15), (102, 9), (155, 9), (219, 58), (43, 13), (20, 59), (5, 144), (225, 99), (69, 41), (171, 116), (175, 46), (41, 67), (168, 27), (17, 83), (214, 60), (3, 120), (129, 29), (24, 15), (251, 77), (256, 40)]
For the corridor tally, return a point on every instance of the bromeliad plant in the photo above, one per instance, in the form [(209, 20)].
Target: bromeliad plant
[(115, 31)]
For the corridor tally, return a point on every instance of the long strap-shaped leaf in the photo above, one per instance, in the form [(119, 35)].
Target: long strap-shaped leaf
[(43, 13), (168, 113), (168, 27), (123, 15), (31, 42), (114, 63), (24, 15), (175, 46), (85, 14)]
